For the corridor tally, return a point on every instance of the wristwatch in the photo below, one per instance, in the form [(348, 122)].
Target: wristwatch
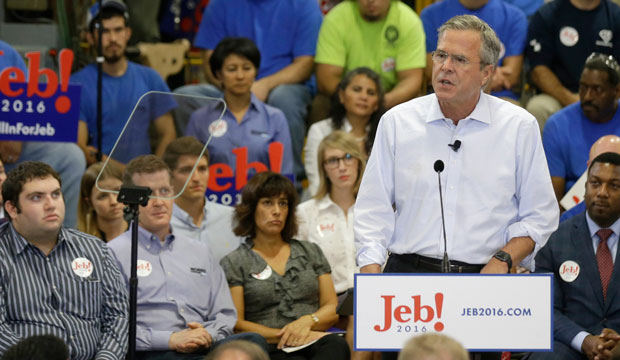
[(314, 318), (505, 257)]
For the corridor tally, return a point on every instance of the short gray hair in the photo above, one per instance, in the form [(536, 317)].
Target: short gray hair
[(490, 47), (431, 346)]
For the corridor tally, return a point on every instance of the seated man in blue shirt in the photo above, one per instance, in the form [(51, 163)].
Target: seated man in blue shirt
[(55, 280), (193, 215), (569, 133), (184, 304), (123, 85), (581, 254)]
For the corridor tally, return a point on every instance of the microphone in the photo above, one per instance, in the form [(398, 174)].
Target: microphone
[(456, 146), (438, 167)]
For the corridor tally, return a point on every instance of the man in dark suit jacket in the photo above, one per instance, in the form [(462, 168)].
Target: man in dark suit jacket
[(581, 255)]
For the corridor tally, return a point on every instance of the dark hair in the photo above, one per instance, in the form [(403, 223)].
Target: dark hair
[(185, 145), (48, 347), (108, 12), (338, 112), (23, 173), (263, 185), (604, 63), (607, 158), (144, 164), (240, 46), (251, 349)]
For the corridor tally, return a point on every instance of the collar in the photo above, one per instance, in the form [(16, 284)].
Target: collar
[(184, 216), (296, 252), (19, 243), (326, 202), (149, 239), (481, 112), (593, 227)]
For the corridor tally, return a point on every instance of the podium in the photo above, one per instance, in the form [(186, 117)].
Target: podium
[(484, 312)]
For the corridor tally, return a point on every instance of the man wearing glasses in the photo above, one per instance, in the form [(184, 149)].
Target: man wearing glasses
[(497, 191), (569, 133)]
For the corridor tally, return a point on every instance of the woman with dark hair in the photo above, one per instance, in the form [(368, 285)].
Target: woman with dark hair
[(99, 214), (281, 287), (327, 219), (247, 121), (357, 106)]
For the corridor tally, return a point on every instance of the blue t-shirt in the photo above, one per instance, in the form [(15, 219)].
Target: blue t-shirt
[(261, 125), (120, 96), (508, 21), (11, 58), (527, 6), (567, 138), (281, 29)]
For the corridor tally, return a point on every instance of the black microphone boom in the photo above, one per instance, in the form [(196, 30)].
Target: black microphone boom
[(456, 146), (445, 263)]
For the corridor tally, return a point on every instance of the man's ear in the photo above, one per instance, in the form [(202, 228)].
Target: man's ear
[(487, 72), (11, 209), (127, 33), (90, 38)]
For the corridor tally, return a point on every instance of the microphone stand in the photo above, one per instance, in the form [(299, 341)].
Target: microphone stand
[(445, 262)]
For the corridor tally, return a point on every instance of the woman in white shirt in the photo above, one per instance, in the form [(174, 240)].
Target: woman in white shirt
[(357, 106), (327, 219)]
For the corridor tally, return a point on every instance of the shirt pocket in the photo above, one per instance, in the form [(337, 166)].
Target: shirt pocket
[(83, 297)]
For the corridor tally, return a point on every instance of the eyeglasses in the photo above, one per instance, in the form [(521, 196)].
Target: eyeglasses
[(334, 162), (440, 57), (608, 60)]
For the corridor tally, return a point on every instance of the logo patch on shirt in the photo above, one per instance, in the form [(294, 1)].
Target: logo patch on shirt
[(535, 45), (82, 267), (391, 34), (218, 128), (606, 36), (388, 64), (263, 275), (569, 270), (323, 228), (144, 268), (198, 271), (569, 36)]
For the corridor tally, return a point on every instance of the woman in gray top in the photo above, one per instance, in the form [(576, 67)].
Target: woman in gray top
[(282, 288)]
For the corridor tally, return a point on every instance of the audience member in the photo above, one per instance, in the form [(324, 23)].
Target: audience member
[(3, 217), (124, 83), (508, 22), (247, 121), (38, 347), (570, 132), (327, 220), (56, 280), (356, 108), (99, 212), (282, 287), (65, 158), (561, 35), (193, 215), (496, 216), (528, 7), (581, 254), (238, 350), (384, 35), (433, 347), (287, 62), (607, 143), (184, 305)]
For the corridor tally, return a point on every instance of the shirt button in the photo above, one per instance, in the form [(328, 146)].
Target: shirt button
[(182, 310), (54, 287), (451, 187), (169, 273)]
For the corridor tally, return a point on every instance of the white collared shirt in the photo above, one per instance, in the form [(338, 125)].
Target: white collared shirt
[(215, 228), (324, 223), (495, 187)]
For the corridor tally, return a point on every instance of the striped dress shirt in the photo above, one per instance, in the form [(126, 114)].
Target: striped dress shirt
[(75, 293)]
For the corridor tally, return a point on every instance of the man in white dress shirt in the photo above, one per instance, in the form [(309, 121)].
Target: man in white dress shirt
[(498, 200)]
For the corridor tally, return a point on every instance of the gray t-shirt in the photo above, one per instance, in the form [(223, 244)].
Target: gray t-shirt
[(271, 299)]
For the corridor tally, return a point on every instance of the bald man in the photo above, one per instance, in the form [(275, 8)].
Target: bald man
[(607, 143)]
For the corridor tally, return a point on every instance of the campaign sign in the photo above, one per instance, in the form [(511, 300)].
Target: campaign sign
[(31, 110), (483, 312), (225, 184)]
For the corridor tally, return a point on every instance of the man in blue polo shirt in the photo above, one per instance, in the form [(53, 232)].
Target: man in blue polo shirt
[(508, 22), (569, 133), (286, 33)]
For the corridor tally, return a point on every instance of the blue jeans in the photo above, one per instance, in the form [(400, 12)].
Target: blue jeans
[(68, 160), (292, 99)]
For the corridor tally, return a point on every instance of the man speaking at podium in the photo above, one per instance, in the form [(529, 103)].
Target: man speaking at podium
[(498, 200)]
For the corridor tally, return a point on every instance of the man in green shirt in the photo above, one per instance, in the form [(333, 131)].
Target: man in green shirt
[(384, 35)]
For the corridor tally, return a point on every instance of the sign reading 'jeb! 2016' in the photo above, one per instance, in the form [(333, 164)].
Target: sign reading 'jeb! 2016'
[(31, 110), (483, 312)]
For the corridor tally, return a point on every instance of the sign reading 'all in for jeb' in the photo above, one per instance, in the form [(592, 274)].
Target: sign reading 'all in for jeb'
[(31, 110), (483, 312)]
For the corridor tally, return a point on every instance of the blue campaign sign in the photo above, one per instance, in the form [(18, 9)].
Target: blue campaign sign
[(39, 111)]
